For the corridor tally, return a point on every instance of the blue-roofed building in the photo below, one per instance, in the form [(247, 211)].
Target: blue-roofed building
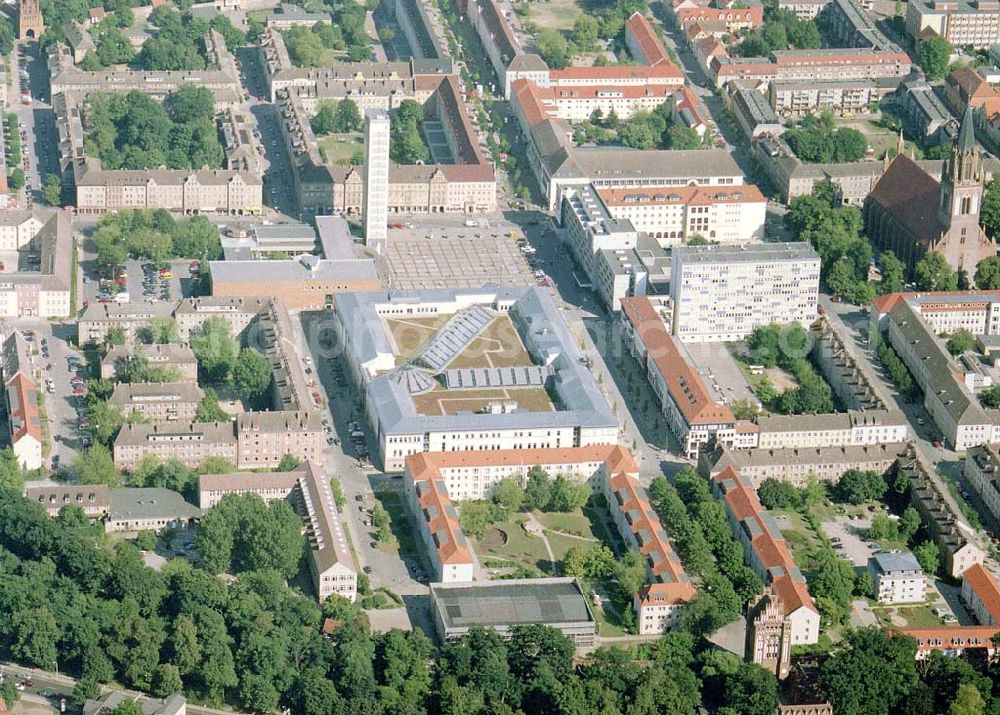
[(898, 577)]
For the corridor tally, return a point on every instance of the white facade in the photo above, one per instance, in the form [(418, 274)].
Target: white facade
[(722, 294), (673, 216), (376, 187), (28, 451), (898, 578)]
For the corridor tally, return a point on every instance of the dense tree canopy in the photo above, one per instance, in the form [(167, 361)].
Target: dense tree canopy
[(933, 273), (154, 235), (817, 140), (781, 30), (243, 533), (406, 134), (933, 57), (178, 43), (133, 131)]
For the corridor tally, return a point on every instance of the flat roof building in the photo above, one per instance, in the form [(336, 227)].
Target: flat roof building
[(503, 605), (136, 509), (721, 293), (403, 392)]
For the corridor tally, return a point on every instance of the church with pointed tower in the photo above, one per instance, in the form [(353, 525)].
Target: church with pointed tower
[(910, 213)]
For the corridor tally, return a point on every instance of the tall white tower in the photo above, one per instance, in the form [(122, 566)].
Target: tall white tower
[(376, 196)]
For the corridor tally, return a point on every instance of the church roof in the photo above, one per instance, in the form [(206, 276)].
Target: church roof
[(910, 194), (967, 134)]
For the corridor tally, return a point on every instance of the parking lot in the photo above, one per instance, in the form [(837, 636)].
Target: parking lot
[(142, 282)]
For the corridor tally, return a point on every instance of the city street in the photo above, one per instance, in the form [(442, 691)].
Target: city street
[(853, 326), (36, 118)]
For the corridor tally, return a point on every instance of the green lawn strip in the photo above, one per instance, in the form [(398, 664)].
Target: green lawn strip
[(401, 541)]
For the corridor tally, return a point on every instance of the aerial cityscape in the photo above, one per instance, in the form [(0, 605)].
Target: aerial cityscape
[(500, 357)]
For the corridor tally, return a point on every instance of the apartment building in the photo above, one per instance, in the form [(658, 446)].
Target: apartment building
[(811, 65), (604, 247), (205, 191), (576, 102), (898, 578), (580, 414), (962, 23), (136, 509), (843, 97), (221, 76), (767, 554), (24, 429), (721, 293), (977, 311), (93, 499), (692, 414), (736, 19), (674, 216), (642, 41), (239, 312), (661, 602), (803, 9), (190, 443), (263, 438), (752, 111), (41, 289), (981, 593), (308, 489), (953, 406), (437, 521), (157, 402), (841, 429), (509, 60), (798, 466), (472, 475), (981, 470), (953, 535), (171, 357), (98, 319), (466, 184)]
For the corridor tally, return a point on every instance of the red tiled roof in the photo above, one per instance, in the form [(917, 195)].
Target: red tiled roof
[(885, 303), (437, 511), (619, 72), (528, 96), (664, 565), (699, 195), (770, 549), (910, 195), (986, 588), (951, 637), (618, 458), (645, 37), (685, 385), (24, 415)]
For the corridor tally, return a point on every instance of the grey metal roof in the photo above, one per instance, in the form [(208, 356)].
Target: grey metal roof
[(600, 163), (150, 503), (892, 563), (772, 252), (541, 328), (509, 603)]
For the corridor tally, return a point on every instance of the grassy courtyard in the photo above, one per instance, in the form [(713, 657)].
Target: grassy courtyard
[(401, 540), (338, 148), (553, 14)]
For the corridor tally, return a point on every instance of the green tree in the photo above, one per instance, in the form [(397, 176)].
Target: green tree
[(105, 421), (304, 48), (217, 351), (776, 494), (52, 190), (988, 270), (553, 48), (585, 33), (474, 518), (288, 463), (252, 376), (933, 273), (874, 673), (990, 397), (15, 179), (347, 117), (960, 341), (933, 57), (209, 410), (682, 137), (968, 701), (989, 211), (857, 487), (538, 490), (509, 495), (113, 47), (928, 555), (566, 495), (96, 466), (325, 121), (35, 637), (893, 273)]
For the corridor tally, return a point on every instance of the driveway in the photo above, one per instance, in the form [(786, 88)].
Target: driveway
[(851, 533)]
